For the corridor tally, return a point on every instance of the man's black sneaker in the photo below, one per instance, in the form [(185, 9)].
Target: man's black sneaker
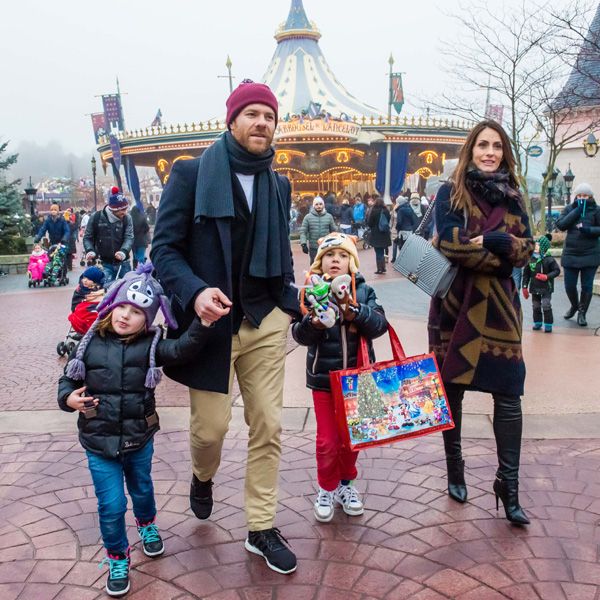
[(269, 543), (117, 583), (201, 499), (151, 541)]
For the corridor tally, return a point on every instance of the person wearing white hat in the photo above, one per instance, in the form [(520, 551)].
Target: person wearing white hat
[(581, 251)]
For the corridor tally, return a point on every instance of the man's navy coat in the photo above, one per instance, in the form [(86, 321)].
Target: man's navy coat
[(190, 256)]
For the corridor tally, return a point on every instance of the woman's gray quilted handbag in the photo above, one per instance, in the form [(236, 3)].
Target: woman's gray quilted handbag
[(423, 264)]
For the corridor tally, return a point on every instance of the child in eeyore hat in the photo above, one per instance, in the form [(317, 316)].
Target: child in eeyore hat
[(110, 380), (538, 280)]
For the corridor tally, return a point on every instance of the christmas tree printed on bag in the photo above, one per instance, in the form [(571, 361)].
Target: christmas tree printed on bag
[(370, 399)]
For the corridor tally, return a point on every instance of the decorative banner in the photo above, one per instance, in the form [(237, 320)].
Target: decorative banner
[(133, 182), (396, 92), (303, 126), (399, 166), (112, 111), (99, 125), (494, 112), (116, 151)]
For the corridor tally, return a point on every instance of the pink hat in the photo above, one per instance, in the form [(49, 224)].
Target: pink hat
[(246, 93)]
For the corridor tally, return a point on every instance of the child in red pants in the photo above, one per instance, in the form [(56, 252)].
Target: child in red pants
[(333, 345)]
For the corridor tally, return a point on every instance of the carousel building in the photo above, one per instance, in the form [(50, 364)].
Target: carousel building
[(326, 138)]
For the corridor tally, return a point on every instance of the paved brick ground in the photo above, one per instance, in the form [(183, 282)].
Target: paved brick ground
[(412, 542)]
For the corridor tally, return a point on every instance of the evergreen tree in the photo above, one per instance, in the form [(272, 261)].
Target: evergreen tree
[(371, 402), (13, 224)]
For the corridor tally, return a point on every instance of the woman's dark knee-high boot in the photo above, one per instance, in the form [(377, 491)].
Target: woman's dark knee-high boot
[(584, 304), (508, 427), (455, 465), (573, 297)]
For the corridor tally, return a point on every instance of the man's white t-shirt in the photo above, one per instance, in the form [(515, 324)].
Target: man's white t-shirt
[(247, 182)]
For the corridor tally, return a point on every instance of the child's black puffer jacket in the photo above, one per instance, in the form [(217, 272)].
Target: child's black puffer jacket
[(337, 348), (116, 374)]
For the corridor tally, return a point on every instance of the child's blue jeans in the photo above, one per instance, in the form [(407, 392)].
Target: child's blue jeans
[(109, 476)]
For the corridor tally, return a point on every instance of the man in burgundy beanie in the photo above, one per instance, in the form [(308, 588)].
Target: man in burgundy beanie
[(222, 251)]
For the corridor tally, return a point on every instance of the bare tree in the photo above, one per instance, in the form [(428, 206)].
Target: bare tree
[(500, 49)]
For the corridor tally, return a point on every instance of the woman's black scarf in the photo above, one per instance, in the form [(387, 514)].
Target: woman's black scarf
[(214, 199), (495, 188)]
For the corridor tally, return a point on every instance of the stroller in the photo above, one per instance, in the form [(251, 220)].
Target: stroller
[(83, 314), (35, 269), (55, 272)]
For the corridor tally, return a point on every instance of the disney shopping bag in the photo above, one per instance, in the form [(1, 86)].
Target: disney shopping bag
[(391, 400)]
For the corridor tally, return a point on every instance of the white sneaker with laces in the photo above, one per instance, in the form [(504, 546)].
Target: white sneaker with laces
[(324, 506), (348, 497)]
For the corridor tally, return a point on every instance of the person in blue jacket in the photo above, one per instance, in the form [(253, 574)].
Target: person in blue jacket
[(57, 228)]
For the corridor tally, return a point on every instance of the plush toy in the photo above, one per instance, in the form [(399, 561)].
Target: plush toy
[(317, 295)]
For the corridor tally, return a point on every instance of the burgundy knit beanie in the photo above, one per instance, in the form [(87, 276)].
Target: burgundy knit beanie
[(246, 93)]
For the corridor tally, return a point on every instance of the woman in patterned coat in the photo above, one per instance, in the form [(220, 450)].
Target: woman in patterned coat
[(475, 331)]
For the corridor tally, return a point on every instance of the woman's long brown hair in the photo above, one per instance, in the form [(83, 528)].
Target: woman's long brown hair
[(461, 199)]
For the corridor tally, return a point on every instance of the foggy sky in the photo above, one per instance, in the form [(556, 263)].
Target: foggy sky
[(56, 56)]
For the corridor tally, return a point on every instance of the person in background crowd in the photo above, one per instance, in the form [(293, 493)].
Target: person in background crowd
[(538, 279), (71, 220), (56, 227), (346, 217), (109, 236), (141, 235), (475, 331), (581, 251), (317, 224), (358, 213), (379, 235)]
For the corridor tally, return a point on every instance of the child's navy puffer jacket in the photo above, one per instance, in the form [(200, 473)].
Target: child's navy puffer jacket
[(337, 348)]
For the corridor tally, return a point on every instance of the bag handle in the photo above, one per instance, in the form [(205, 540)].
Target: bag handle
[(425, 218), (362, 360)]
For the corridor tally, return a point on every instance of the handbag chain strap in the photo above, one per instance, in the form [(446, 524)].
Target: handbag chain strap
[(425, 218)]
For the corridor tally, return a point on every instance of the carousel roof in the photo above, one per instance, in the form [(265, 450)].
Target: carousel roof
[(301, 78), (583, 86)]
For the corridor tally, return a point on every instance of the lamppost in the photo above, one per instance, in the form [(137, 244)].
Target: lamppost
[(550, 187), (568, 178), (31, 194), (590, 145), (94, 179)]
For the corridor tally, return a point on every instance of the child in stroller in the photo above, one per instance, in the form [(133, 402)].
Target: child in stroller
[(55, 271), (37, 262), (84, 301)]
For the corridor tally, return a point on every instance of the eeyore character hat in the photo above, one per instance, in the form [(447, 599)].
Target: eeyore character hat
[(141, 290)]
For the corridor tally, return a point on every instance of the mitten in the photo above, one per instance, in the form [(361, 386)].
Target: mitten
[(526, 293), (305, 248), (541, 277)]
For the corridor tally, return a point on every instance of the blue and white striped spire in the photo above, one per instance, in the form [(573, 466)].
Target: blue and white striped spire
[(299, 74)]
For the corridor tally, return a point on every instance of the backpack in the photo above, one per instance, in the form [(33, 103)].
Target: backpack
[(384, 223)]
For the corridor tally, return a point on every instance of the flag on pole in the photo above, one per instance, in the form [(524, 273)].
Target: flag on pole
[(396, 92), (113, 113), (99, 125), (157, 119), (494, 112), (116, 151)]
